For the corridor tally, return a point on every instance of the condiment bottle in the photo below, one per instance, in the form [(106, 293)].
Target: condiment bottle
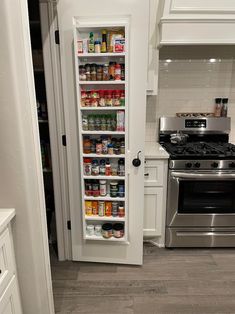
[(91, 46), (224, 110), (107, 168), (117, 72), (121, 167), (218, 107), (87, 166), (105, 72), (111, 70), (104, 41), (103, 188), (97, 46)]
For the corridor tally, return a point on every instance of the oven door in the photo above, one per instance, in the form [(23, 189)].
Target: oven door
[(201, 199)]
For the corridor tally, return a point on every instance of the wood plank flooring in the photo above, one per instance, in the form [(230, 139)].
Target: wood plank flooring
[(179, 281)]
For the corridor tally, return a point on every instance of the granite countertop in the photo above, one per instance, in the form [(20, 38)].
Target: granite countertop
[(155, 150), (6, 215)]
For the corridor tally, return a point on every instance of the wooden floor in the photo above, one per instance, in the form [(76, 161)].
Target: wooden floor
[(170, 281)]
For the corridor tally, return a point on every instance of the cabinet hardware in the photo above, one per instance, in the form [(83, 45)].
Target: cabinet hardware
[(57, 37), (146, 174)]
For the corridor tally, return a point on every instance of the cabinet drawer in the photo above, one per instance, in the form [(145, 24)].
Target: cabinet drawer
[(6, 260), (153, 173), (10, 299)]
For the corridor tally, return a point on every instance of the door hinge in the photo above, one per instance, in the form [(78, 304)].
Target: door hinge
[(57, 37), (64, 140), (69, 224)]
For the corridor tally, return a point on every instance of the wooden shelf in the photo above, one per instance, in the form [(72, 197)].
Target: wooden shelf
[(104, 218), (103, 156), (106, 54), (102, 108), (102, 82), (103, 132), (104, 198)]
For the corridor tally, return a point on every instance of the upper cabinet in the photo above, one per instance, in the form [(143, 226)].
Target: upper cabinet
[(197, 22)]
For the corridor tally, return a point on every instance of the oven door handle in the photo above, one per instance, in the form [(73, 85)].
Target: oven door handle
[(217, 176)]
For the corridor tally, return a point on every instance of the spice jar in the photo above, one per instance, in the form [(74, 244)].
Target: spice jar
[(88, 71), (88, 188), (108, 209), (113, 189), (103, 123), (113, 122), (117, 72), (95, 169), (82, 73), (93, 146), (95, 188), (97, 123), (112, 70), (85, 122), (122, 98), (105, 72), (103, 188), (93, 72), (86, 145), (90, 231), (121, 211), (101, 209), (121, 167), (118, 230), (83, 98), (116, 98), (102, 167), (122, 147), (105, 146), (102, 98), (108, 98), (107, 230), (88, 208), (94, 98), (98, 229), (91, 123), (99, 72), (114, 209), (121, 189), (110, 149), (123, 72), (87, 166), (88, 99), (97, 46), (107, 168), (109, 122), (114, 170), (94, 208), (98, 147)]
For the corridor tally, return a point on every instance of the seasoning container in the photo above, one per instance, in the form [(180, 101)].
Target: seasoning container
[(91, 123), (88, 208), (88, 99), (122, 98), (99, 72), (94, 208), (90, 230), (101, 208), (103, 188), (82, 73), (114, 209), (87, 166), (218, 107), (116, 98), (103, 123), (102, 167), (120, 120), (121, 211), (97, 46), (98, 229), (224, 111), (108, 98), (93, 146), (109, 123), (95, 169), (95, 188), (94, 98), (85, 45), (122, 147), (104, 41), (107, 230), (114, 170), (91, 45), (102, 98), (93, 72), (113, 122), (98, 147), (123, 72), (105, 146), (121, 167), (113, 189), (112, 70), (85, 122), (83, 98), (108, 209), (106, 72), (86, 145), (88, 71), (88, 188), (107, 168), (118, 230), (110, 149), (117, 72), (80, 46), (97, 123), (121, 190)]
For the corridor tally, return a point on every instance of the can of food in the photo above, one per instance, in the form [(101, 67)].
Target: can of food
[(113, 189), (114, 209), (95, 208), (88, 208), (118, 230), (107, 230), (108, 208), (121, 190), (101, 209)]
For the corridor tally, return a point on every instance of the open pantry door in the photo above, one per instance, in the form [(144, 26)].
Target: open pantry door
[(104, 71)]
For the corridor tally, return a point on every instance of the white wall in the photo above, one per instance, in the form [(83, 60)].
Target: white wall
[(21, 184), (191, 82)]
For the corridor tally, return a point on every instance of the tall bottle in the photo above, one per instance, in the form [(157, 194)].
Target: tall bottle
[(91, 46), (224, 110), (104, 41), (218, 107)]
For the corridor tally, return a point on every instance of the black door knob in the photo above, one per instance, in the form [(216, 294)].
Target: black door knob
[(136, 162)]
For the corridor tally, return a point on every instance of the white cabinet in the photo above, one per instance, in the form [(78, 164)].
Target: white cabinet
[(155, 187), (184, 22), (10, 300)]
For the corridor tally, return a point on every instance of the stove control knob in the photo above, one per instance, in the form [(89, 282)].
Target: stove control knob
[(188, 164), (197, 165), (232, 165), (214, 165)]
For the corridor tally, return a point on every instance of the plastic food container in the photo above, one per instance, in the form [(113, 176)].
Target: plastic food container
[(118, 230), (107, 230), (90, 231)]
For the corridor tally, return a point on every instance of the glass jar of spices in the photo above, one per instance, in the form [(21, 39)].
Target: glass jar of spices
[(98, 147), (82, 73), (88, 188), (103, 188), (91, 123), (121, 189), (116, 98), (105, 72), (103, 123), (99, 72), (93, 72), (88, 71), (117, 72), (114, 209), (108, 98), (87, 166), (102, 98), (83, 98), (95, 188), (101, 208), (123, 72), (102, 167), (97, 123), (112, 70), (97, 46), (108, 209), (122, 98), (85, 122), (113, 189), (86, 145), (95, 169)]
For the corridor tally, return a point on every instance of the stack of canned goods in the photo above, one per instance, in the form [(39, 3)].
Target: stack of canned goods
[(104, 209)]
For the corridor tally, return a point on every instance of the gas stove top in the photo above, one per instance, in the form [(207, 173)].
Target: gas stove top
[(201, 150)]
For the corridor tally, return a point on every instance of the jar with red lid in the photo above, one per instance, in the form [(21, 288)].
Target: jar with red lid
[(87, 166), (88, 99), (116, 98), (83, 98), (108, 98), (102, 98), (95, 188), (94, 98), (117, 72), (88, 188), (112, 70)]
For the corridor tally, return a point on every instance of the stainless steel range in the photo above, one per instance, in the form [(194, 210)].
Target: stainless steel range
[(201, 183)]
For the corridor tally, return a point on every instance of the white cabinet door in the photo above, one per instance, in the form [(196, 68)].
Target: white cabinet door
[(153, 208), (153, 173), (10, 301)]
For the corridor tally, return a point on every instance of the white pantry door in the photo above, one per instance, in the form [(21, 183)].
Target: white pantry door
[(136, 12)]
